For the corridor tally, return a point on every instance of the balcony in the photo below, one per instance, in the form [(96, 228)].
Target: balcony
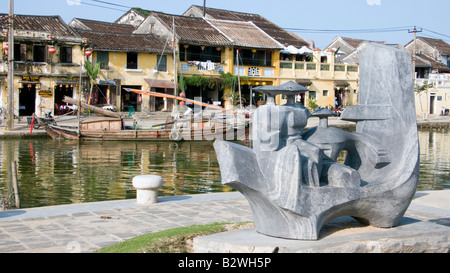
[(294, 69), (254, 71), (203, 68), (43, 68)]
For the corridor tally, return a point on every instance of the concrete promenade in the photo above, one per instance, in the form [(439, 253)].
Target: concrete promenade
[(90, 226)]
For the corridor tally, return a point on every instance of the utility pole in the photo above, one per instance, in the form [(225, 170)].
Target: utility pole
[(204, 8), (415, 30), (10, 111), (175, 74)]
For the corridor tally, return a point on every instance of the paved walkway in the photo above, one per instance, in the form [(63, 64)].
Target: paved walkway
[(90, 226)]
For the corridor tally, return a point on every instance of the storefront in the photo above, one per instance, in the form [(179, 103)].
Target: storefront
[(61, 90), (341, 94), (130, 101), (159, 103), (27, 94)]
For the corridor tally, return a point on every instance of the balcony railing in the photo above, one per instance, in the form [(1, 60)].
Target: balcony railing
[(314, 69), (46, 68), (197, 67), (254, 71)]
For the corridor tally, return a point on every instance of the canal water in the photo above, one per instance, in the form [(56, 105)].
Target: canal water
[(64, 172)]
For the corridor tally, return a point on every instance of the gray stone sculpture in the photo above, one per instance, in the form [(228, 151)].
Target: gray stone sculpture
[(291, 178)]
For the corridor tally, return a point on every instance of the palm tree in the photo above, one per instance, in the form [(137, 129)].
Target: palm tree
[(93, 72), (419, 89)]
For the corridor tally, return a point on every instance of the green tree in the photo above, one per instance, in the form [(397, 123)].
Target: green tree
[(423, 88), (312, 104), (93, 72)]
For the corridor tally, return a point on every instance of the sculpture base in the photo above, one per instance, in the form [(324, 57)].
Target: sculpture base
[(342, 235)]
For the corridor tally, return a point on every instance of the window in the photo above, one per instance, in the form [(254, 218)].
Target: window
[(312, 95), (254, 57), (161, 62), (65, 55), (132, 60), (20, 52), (325, 93), (103, 59), (200, 53), (39, 53)]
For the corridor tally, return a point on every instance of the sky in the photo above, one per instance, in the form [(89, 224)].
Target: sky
[(320, 21)]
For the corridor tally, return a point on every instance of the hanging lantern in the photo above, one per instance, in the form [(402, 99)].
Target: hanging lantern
[(88, 52), (51, 50), (182, 95)]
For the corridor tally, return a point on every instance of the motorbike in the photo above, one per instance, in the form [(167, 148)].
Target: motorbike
[(339, 110), (48, 119)]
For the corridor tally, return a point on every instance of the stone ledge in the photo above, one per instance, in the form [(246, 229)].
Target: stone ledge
[(342, 235)]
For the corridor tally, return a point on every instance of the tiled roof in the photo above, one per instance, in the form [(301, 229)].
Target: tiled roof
[(357, 42), (101, 26), (276, 32), (125, 42), (193, 30), (245, 34), (440, 45), (422, 60), (52, 24)]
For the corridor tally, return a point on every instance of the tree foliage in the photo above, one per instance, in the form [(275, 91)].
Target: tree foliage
[(226, 80), (92, 71)]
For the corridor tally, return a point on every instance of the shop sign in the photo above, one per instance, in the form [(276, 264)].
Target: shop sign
[(46, 93), (27, 78)]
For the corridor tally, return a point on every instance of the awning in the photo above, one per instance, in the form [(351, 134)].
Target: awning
[(341, 83), (304, 82), (293, 50), (107, 82), (160, 83)]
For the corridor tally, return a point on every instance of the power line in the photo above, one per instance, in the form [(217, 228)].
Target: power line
[(372, 30), (100, 6), (437, 33), (112, 4)]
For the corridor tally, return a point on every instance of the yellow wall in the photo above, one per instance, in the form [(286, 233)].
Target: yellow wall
[(51, 74), (146, 69), (147, 62)]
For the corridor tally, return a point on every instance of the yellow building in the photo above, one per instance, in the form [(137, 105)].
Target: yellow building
[(128, 60), (224, 46), (330, 84), (206, 51), (47, 60)]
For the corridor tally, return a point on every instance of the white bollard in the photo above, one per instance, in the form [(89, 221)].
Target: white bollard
[(147, 188)]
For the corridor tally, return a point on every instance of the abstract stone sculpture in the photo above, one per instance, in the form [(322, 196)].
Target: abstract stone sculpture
[(291, 178)]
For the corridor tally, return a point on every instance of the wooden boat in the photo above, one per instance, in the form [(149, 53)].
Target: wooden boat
[(111, 126), (108, 128)]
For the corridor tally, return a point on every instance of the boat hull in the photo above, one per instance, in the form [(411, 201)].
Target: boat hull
[(240, 133)]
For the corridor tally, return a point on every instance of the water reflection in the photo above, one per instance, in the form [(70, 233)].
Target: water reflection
[(63, 172), (434, 160)]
